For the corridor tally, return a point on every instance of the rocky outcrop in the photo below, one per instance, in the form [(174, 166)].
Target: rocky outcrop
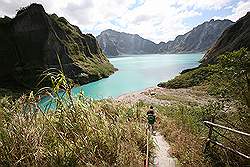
[(233, 38), (199, 39), (33, 41), (115, 43)]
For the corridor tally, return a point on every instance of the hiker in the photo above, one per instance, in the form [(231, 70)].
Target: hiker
[(151, 118)]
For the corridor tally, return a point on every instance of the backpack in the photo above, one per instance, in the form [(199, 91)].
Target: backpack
[(151, 119)]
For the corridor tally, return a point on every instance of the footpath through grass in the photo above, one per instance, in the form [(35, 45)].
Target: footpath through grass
[(183, 128)]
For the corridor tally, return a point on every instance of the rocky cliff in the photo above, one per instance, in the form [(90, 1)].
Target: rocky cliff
[(199, 39), (115, 43), (233, 38), (32, 41)]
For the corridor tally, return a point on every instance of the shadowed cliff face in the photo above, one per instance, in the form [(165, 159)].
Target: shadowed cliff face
[(32, 41), (233, 38)]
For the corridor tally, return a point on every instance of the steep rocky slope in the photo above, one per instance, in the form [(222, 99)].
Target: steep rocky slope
[(114, 43), (233, 38), (32, 42), (199, 39)]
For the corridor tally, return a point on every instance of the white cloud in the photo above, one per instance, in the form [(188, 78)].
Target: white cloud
[(9, 7), (240, 10), (158, 20), (204, 4)]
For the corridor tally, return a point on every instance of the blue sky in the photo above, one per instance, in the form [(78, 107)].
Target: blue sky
[(157, 20), (208, 14)]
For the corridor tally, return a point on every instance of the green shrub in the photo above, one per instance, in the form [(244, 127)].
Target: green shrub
[(232, 81), (192, 78), (228, 78)]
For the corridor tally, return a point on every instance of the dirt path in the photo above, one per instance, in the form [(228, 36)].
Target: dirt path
[(164, 97), (162, 159)]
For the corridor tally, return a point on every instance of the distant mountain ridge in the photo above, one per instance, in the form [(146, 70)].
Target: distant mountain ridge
[(233, 38), (114, 43), (199, 39)]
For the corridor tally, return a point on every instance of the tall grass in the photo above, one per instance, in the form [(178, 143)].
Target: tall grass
[(79, 132), (182, 127)]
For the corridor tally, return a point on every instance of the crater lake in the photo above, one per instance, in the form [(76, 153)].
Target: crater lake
[(137, 72)]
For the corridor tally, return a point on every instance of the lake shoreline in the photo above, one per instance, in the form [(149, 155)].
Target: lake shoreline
[(139, 73), (164, 96), (136, 96)]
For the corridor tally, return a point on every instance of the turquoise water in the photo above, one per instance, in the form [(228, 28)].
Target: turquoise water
[(137, 72)]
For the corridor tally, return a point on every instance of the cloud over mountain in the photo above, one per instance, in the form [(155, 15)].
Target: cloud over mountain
[(157, 20)]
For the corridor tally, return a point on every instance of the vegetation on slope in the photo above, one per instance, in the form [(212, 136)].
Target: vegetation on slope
[(183, 128), (182, 124), (26, 52), (228, 78), (79, 132), (192, 78)]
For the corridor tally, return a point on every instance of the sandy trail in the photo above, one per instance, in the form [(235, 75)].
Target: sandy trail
[(162, 96), (163, 158)]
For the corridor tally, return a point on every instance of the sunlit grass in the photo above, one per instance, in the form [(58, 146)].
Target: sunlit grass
[(77, 132)]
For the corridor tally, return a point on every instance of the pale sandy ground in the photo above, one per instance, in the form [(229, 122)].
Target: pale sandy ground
[(173, 95), (162, 158), (142, 96)]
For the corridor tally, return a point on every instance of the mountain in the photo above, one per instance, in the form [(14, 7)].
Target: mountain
[(233, 38), (33, 40), (114, 43), (199, 39)]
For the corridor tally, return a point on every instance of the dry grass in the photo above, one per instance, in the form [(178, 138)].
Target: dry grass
[(77, 132), (182, 127), (186, 147), (83, 134)]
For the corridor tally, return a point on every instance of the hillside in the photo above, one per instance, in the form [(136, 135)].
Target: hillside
[(33, 40), (199, 39), (233, 38), (114, 43)]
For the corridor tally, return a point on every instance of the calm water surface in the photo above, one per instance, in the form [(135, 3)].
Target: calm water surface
[(137, 72)]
